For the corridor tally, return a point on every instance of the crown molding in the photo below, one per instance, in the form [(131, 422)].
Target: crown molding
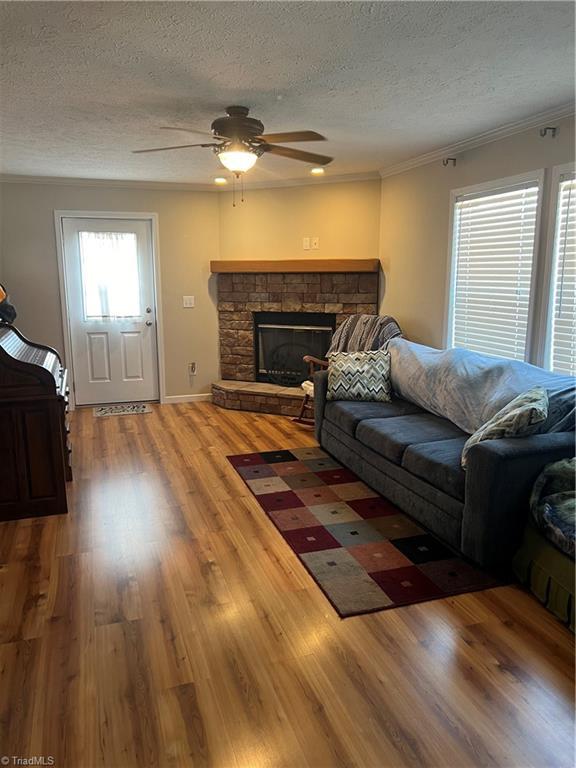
[(183, 187), (110, 183), (308, 182), (535, 121)]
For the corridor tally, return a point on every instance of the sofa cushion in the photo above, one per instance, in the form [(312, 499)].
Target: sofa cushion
[(347, 415), (379, 471), (390, 437), (438, 463)]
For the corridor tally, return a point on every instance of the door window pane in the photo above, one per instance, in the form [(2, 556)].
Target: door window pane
[(110, 280)]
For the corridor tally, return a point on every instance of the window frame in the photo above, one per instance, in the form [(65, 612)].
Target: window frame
[(538, 176), (543, 341)]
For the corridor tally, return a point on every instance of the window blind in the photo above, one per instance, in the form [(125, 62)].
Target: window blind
[(563, 330), (493, 249)]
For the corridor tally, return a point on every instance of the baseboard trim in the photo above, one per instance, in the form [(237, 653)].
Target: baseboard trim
[(171, 399)]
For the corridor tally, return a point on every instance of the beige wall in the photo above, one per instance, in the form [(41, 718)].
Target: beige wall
[(404, 219), (194, 228), (272, 222), (188, 228), (414, 237)]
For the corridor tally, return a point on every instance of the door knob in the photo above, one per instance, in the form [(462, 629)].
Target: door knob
[(148, 322)]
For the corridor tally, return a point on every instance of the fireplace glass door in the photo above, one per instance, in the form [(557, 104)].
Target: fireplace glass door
[(283, 338)]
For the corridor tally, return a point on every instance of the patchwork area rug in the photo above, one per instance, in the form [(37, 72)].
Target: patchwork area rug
[(362, 551), (124, 409)]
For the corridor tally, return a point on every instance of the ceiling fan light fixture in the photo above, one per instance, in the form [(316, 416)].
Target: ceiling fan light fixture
[(220, 181), (237, 157), (317, 171)]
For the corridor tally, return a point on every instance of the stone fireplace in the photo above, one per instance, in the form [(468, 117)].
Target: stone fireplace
[(316, 295)]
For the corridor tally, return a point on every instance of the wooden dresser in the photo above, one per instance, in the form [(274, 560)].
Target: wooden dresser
[(35, 453)]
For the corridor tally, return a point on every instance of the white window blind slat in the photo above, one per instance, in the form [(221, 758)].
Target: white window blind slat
[(563, 319), (498, 212), (493, 250)]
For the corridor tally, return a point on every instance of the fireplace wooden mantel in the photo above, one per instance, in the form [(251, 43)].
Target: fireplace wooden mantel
[(295, 266)]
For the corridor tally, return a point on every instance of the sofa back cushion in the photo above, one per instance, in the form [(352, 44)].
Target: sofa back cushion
[(469, 388)]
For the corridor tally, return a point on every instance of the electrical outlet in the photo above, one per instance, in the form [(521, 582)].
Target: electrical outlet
[(192, 369), (315, 242), (306, 243)]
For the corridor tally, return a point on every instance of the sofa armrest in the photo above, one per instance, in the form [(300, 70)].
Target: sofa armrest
[(320, 391), (499, 481)]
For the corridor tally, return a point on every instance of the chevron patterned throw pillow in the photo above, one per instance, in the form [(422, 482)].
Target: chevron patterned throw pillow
[(359, 376)]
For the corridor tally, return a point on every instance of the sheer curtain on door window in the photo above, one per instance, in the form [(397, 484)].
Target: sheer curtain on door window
[(109, 270)]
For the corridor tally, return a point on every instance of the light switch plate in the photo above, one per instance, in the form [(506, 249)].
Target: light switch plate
[(315, 242), (306, 243), (188, 302)]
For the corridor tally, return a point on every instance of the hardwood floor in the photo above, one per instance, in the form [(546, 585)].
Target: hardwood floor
[(164, 622)]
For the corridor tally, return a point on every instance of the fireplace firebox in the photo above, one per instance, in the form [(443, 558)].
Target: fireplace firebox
[(281, 339)]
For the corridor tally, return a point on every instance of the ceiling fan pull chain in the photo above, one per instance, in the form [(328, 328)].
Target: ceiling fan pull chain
[(233, 191)]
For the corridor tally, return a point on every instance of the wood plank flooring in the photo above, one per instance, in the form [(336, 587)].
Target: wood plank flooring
[(164, 622)]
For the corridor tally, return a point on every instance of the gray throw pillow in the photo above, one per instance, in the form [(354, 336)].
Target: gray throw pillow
[(514, 420), (359, 376)]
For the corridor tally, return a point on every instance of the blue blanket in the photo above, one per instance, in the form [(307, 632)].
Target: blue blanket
[(469, 388)]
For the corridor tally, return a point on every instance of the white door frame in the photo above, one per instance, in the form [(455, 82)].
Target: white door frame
[(59, 215)]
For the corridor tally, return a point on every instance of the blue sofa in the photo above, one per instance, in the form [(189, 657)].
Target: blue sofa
[(412, 457)]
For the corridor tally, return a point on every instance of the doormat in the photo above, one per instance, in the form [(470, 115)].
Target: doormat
[(125, 409), (364, 554)]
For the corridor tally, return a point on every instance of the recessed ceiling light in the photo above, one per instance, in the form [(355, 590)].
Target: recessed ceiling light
[(317, 171), (220, 180)]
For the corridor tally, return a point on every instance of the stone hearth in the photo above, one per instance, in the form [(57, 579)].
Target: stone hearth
[(259, 397)]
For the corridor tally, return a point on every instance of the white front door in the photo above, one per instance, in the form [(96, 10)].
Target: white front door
[(109, 276)]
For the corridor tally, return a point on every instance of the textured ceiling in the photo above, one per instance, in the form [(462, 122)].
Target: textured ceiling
[(82, 84)]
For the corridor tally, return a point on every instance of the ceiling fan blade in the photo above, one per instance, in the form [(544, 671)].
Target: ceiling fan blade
[(164, 149), (293, 136), (190, 130), (297, 154)]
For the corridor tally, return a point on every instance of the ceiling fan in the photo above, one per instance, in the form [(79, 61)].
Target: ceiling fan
[(240, 141)]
